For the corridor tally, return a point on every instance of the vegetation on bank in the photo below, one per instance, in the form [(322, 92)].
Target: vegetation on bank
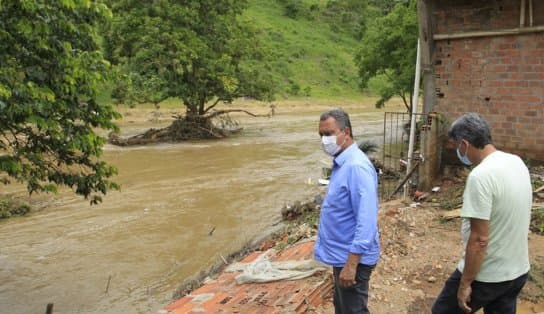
[(10, 208), (55, 56), (50, 70)]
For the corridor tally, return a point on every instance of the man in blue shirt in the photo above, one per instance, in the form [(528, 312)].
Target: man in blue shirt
[(348, 237)]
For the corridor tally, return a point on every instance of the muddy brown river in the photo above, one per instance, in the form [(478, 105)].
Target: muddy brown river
[(147, 238)]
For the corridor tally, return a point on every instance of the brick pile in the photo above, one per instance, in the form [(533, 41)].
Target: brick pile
[(224, 295)]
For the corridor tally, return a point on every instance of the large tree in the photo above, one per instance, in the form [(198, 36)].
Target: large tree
[(387, 54), (50, 65), (199, 51)]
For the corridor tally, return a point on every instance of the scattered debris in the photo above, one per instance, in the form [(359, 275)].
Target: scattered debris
[(456, 213), (211, 231), (323, 181), (298, 209), (420, 196)]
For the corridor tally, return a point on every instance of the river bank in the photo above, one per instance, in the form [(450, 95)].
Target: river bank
[(420, 248)]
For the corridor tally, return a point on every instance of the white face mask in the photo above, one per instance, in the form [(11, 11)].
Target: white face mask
[(328, 143)]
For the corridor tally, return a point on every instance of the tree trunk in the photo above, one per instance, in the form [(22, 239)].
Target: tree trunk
[(191, 110)]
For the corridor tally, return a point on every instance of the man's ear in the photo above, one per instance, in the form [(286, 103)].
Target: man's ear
[(348, 132)]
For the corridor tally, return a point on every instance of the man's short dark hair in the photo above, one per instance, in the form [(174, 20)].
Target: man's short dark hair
[(473, 128), (340, 116)]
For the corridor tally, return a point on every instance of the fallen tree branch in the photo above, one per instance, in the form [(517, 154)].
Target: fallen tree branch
[(220, 112), (401, 184)]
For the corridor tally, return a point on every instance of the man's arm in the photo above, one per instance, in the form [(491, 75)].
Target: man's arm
[(363, 197), (474, 256)]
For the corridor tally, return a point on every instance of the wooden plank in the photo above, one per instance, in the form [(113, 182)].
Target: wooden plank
[(427, 47), (502, 32), (540, 189), (456, 213)]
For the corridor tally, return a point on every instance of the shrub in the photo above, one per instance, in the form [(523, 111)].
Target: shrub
[(10, 208), (537, 220)]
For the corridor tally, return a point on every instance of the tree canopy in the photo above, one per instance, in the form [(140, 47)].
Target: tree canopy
[(50, 65), (387, 55), (200, 51)]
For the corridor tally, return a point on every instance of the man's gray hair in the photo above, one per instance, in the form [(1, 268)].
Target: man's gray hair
[(341, 117), (473, 128)]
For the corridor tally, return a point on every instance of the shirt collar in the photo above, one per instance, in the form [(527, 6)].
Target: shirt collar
[(341, 159)]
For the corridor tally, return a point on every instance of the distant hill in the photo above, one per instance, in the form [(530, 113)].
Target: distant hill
[(314, 56)]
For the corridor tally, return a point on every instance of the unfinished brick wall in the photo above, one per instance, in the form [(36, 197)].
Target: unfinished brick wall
[(500, 77)]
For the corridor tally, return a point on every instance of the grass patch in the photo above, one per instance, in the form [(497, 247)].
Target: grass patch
[(537, 220), (10, 208), (534, 290), (453, 199), (312, 59)]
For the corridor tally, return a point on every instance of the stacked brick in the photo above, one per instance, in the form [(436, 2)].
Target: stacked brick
[(224, 295), (500, 77)]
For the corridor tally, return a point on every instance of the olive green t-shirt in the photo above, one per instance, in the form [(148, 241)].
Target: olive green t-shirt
[(499, 190)]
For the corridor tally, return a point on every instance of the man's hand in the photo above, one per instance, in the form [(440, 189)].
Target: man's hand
[(463, 297), (347, 276)]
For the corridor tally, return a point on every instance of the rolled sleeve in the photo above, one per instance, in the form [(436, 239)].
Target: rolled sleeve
[(364, 202)]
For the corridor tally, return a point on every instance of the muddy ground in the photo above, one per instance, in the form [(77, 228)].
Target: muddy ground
[(420, 249)]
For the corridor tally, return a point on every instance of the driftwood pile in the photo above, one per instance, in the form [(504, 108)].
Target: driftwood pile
[(180, 130)]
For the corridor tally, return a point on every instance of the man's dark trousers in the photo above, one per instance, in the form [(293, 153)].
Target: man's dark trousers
[(352, 300), (493, 297)]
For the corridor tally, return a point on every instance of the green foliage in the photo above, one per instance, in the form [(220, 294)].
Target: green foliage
[(382, 86), (536, 277), (385, 6), (346, 16), (195, 50), (388, 53), (453, 199), (306, 50), (50, 65), (350, 16), (292, 8), (368, 147), (10, 208), (537, 220)]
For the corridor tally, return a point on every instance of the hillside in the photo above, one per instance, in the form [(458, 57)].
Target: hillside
[(313, 56)]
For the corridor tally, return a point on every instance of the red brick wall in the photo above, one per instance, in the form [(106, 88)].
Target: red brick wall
[(500, 77)]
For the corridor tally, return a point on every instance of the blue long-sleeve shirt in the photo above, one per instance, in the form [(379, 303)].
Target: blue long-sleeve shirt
[(349, 213)]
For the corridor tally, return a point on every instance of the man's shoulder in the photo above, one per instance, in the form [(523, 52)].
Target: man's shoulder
[(357, 157), (496, 161), (359, 162), (496, 166)]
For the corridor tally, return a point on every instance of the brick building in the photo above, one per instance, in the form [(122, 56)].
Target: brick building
[(487, 56)]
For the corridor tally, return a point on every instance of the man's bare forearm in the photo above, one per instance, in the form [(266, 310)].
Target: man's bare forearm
[(475, 250)]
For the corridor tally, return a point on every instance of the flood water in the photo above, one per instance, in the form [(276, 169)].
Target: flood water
[(147, 238)]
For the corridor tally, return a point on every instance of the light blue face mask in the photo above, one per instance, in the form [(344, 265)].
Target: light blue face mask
[(463, 159)]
